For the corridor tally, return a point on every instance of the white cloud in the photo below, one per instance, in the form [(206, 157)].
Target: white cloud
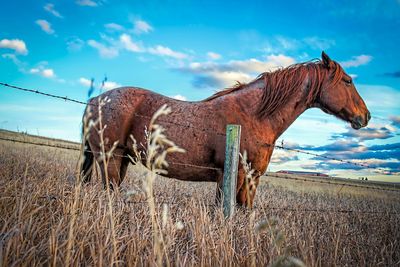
[(75, 44), (128, 44), (42, 71), (211, 74), (283, 44), (141, 26), (90, 3), (356, 61), (288, 43), (104, 51), (166, 51), (15, 44), (45, 26), (85, 82), (319, 43), (20, 64), (213, 55), (114, 27), (179, 97), (50, 8), (107, 85), (386, 102), (110, 85)]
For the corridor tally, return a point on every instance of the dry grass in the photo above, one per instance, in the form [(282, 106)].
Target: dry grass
[(37, 205)]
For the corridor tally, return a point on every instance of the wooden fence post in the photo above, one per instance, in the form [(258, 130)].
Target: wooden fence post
[(231, 168)]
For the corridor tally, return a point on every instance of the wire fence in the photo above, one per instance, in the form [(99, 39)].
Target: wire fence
[(279, 176), (65, 98)]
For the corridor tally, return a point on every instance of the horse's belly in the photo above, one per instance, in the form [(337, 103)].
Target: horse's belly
[(190, 173)]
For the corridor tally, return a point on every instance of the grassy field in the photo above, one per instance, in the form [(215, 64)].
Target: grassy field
[(46, 220)]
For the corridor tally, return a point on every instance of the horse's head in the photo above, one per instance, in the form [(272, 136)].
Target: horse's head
[(339, 97)]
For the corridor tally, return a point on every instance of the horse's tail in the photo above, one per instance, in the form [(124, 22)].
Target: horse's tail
[(87, 165)]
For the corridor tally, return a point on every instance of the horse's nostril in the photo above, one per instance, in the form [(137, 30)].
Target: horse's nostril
[(368, 116)]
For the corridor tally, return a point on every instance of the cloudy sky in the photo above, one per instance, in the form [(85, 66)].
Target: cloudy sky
[(190, 49)]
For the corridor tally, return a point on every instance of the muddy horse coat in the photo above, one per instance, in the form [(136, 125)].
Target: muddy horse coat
[(264, 108)]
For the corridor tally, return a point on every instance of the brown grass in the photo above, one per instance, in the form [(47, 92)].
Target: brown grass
[(37, 206)]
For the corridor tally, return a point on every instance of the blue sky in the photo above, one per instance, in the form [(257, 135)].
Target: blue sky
[(190, 49)]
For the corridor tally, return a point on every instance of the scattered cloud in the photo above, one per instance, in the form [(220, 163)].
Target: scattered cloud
[(45, 26), (287, 43), (43, 71), (356, 61), (379, 98), (128, 44), (141, 26), (167, 52), (318, 43), (369, 133), (17, 45), (283, 44), (90, 3), (283, 156), (395, 74), (110, 47), (105, 85), (180, 97), (75, 44), (213, 55), (85, 82), (212, 74), (104, 51), (51, 9), (351, 146), (20, 64), (395, 121), (110, 85), (114, 27)]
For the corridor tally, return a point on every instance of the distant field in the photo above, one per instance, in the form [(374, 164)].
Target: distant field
[(318, 223)]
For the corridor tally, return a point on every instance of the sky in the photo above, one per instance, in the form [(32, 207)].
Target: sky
[(191, 49)]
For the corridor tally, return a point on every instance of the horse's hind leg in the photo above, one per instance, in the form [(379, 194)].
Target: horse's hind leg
[(110, 171), (124, 167), (87, 165)]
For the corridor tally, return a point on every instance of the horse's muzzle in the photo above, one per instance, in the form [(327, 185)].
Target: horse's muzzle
[(361, 121)]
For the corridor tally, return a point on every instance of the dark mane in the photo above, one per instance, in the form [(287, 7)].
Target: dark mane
[(279, 85)]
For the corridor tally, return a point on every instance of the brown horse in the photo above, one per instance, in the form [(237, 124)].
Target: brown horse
[(264, 108)]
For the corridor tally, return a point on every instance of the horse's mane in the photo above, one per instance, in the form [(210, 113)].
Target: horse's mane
[(279, 85)]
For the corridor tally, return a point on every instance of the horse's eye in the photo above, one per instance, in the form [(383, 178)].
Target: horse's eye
[(347, 82)]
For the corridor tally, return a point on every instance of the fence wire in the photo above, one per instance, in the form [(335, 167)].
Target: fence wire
[(65, 98), (210, 168)]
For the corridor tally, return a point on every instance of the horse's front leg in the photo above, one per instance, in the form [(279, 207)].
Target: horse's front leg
[(246, 190)]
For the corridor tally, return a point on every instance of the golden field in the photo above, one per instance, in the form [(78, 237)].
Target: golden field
[(46, 219)]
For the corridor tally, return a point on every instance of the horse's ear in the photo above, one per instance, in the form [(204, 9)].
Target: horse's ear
[(326, 60)]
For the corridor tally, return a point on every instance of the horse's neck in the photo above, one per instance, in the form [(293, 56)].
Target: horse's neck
[(283, 118), (277, 123)]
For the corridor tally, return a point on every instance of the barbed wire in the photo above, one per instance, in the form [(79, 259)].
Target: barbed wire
[(210, 168), (381, 170), (99, 153), (65, 98)]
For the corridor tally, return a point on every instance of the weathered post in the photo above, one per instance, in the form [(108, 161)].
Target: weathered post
[(231, 168)]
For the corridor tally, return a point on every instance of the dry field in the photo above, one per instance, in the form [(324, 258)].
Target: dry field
[(46, 220)]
